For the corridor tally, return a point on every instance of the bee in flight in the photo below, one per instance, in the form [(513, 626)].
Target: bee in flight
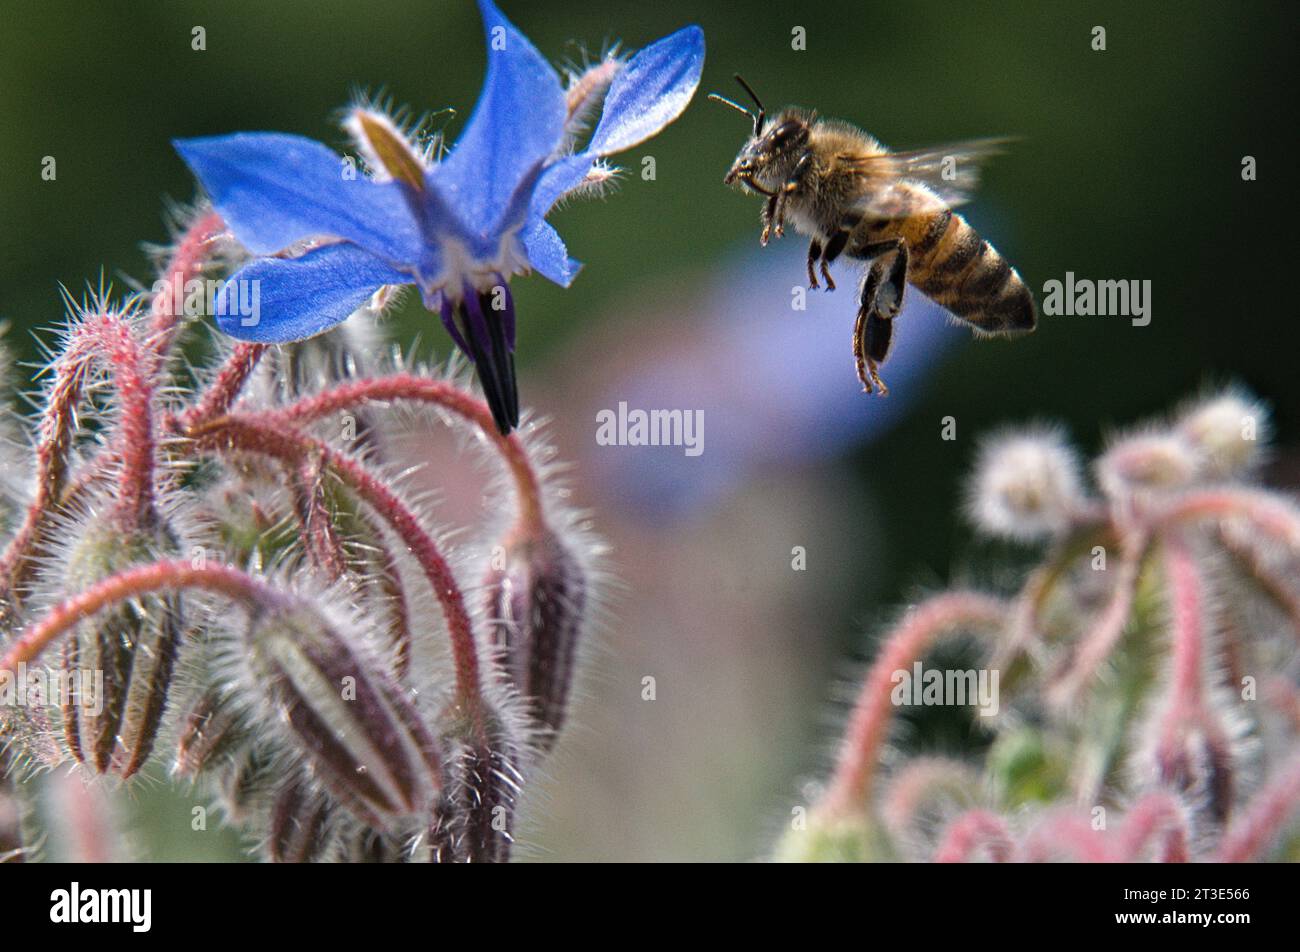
[(852, 196)]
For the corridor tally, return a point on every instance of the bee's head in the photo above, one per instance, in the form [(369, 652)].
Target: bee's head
[(771, 148)]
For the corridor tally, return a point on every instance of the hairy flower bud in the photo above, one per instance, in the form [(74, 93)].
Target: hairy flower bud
[(537, 599), (246, 780), (211, 730), (1226, 432), (118, 664), (1146, 464), (361, 736), (353, 842), (475, 824), (1026, 486), (298, 824)]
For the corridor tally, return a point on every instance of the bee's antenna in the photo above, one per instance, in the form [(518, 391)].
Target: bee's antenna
[(734, 105), (762, 113)]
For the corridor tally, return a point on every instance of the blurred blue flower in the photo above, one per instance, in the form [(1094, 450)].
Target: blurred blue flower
[(788, 398), (457, 229)]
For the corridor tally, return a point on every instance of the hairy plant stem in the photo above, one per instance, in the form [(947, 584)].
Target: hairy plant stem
[(248, 434), (226, 386), (135, 441), (188, 260), (971, 832), (1157, 816), (1107, 629), (438, 393), (855, 767), (170, 575), (105, 337)]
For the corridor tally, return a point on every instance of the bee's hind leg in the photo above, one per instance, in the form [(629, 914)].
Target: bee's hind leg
[(886, 279), (868, 349), (872, 335), (889, 299), (879, 302)]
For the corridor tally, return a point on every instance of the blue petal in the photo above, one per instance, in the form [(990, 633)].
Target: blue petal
[(650, 91), (547, 254), (558, 179), (274, 190), (274, 300), (518, 122)]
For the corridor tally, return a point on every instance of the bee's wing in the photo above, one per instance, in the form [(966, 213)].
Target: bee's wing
[(950, 174)]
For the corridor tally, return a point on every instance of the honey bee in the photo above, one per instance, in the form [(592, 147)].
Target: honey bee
[(893, 210)]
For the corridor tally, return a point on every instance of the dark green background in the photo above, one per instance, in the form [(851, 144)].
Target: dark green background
[(1129, 167)]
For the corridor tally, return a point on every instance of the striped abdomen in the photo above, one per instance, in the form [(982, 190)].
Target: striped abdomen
[(960, 271)]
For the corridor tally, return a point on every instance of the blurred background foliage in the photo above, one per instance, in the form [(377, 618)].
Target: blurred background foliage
[(1128, 166)]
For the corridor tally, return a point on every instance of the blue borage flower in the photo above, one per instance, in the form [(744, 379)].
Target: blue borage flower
[(457, 229)]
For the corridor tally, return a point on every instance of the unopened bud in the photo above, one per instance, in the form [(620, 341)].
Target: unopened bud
[(298, 823), (537, 602), (1226, 432), (476, 822), (246, 780), (1198, 764), (1025, 486), (210, 731), (1149, 464), (118, 663), (355, 843), (362, 737)]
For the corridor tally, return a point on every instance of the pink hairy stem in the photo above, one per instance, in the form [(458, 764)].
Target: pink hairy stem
[(971, 832), (440, 393), (851, 781), (171, 575), (249, 434)]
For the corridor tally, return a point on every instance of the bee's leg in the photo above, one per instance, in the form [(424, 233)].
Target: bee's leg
[(776, 206), (889, 299), (869, 338), (801, 170), (769, 220), (889, 256), (814, 252), (872, 335), (832, 251), (880, 335), (860, 350), (879, 302)]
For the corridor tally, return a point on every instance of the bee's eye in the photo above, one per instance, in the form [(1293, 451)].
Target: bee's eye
[(783, 133)]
